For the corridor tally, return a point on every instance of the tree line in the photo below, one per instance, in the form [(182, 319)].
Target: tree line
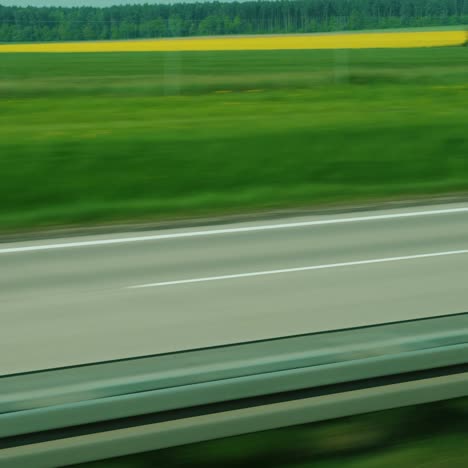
[(26, 24)]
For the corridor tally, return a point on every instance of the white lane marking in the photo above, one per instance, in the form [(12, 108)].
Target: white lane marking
[(179, 235), (295, 270)]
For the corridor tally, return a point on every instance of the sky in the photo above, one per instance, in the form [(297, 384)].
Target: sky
[(97, 3), (72, 3)]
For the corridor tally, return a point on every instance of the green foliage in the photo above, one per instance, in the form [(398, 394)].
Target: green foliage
[(93, 138), (217, 18), (433, 436)]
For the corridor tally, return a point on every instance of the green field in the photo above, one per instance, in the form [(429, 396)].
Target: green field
[(101, 138), (429, 436)]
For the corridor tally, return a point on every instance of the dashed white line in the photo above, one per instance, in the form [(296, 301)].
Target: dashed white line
[(299, 269), (211, 232)]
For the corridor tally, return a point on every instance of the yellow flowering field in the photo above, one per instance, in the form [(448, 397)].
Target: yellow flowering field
[(280, 42)]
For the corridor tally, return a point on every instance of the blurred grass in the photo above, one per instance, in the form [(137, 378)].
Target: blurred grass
[(97, 138), (433, 436)]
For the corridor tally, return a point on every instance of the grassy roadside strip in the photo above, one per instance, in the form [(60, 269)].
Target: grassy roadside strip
[(433, 436), (103, 138)]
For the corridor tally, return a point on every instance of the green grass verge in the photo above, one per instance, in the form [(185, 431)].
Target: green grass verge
[(433, 436), (98, 138)]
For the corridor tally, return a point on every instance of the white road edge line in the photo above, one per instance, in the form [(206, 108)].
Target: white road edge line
[(179, 235), (294, 270)]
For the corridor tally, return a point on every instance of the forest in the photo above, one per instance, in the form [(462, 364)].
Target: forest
[(29, 24)]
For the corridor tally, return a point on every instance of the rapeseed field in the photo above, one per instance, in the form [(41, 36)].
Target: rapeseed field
[(371, 40)]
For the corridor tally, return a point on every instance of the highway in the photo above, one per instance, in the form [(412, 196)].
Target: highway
[(89, 299)]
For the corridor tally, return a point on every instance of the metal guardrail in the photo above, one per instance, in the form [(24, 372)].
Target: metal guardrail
[(63, 416)]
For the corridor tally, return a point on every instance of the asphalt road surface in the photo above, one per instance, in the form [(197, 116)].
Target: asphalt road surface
[(88, 299)]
